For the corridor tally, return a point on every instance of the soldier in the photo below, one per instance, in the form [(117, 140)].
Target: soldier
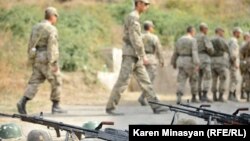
[(234, 63), (132, 61), (205, 49), (186, 59), (153, 52), (243, 66), (220, 64), (245, 55), (44, 54)]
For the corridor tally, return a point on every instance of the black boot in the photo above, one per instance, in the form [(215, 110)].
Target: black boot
[(200, 95), (142, 100), (194, 99), (243, 95), (235, 99), (21, 105), (157, 109), (56, 109), (221, 99), (215, 96), (231, 96), (179, 95), (205, 98)]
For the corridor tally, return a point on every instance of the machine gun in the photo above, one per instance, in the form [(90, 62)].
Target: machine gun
[(108, 134), (221, 118)]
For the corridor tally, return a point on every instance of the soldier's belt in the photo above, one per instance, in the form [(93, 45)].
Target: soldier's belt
[(41, 48), (185, 55)]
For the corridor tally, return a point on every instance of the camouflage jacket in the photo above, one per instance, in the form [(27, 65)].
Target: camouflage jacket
[(153, 48), (44, 38), (205, 48), (132, 36), (185, 53)]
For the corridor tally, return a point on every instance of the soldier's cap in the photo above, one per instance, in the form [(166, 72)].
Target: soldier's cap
[(217, 29), (204, 25), (52, 11), (246, 34), (237, 29), (144, 1), (148, 23)]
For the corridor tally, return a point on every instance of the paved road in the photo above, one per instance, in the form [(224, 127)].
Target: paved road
[(134, 114)]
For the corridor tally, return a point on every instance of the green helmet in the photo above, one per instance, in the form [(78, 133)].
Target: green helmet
[(10, 131), (90, 125), (39, 135)]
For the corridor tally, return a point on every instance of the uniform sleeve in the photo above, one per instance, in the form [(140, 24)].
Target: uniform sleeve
[(208, 45), (158, 50), (232, 54), (135, 37), (174, 56), (195, 55), (53, 50), (31, 43)]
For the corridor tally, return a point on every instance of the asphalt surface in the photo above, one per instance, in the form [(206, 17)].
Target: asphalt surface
[(134, 114)]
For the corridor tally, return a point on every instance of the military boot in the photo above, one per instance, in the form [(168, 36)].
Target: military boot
[(205, 98), (235, 99), (243, 95), (221, 99), (231, 96), (194, 99), (248, 97), (56, 109), (215, 96), (200, 95), (21, 105), (142, 100), (179, 95)]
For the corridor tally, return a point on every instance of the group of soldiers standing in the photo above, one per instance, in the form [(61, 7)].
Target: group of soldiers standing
[(203, 59)]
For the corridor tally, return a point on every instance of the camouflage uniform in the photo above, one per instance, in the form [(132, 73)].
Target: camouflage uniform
[(43, 54), (245, 55), (153, 52), (47, 55), (132, 63), (205, 49), (220, 65), (186, 59), (234, 66)]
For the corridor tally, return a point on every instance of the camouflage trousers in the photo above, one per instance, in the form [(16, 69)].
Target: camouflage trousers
[(183, 75), (233, 78), (220, 73), (151, 70), (131, 65), (205, 76), (243, 71), (42, 72), (247, 81)]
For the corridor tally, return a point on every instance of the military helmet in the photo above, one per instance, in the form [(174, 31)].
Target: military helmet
[(148, 23), (90, 125), (10, 131), (39, 135), (144, 1), (51, 10), (237, 29), (203, 25)]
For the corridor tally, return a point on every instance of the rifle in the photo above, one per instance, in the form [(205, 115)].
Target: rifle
[(108, 134), (208, 116)]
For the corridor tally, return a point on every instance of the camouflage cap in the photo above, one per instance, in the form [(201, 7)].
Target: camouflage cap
[(148, 23), (51, 10), (246, 34), (237, 29), (203, 25), (145, 1)]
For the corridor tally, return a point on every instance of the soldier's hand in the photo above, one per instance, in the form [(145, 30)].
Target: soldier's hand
[(145, 60)]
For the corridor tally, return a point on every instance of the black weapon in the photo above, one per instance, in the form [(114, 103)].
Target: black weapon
[(225, 119), (108, 134)]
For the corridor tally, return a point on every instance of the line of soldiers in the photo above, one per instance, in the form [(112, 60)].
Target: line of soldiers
[(202, 59)]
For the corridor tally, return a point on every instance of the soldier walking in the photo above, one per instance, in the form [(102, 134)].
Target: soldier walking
[(220, 65), (133, 61), (186, 59), (234, 49), (153, 50), (205, 49), (44, 56)]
